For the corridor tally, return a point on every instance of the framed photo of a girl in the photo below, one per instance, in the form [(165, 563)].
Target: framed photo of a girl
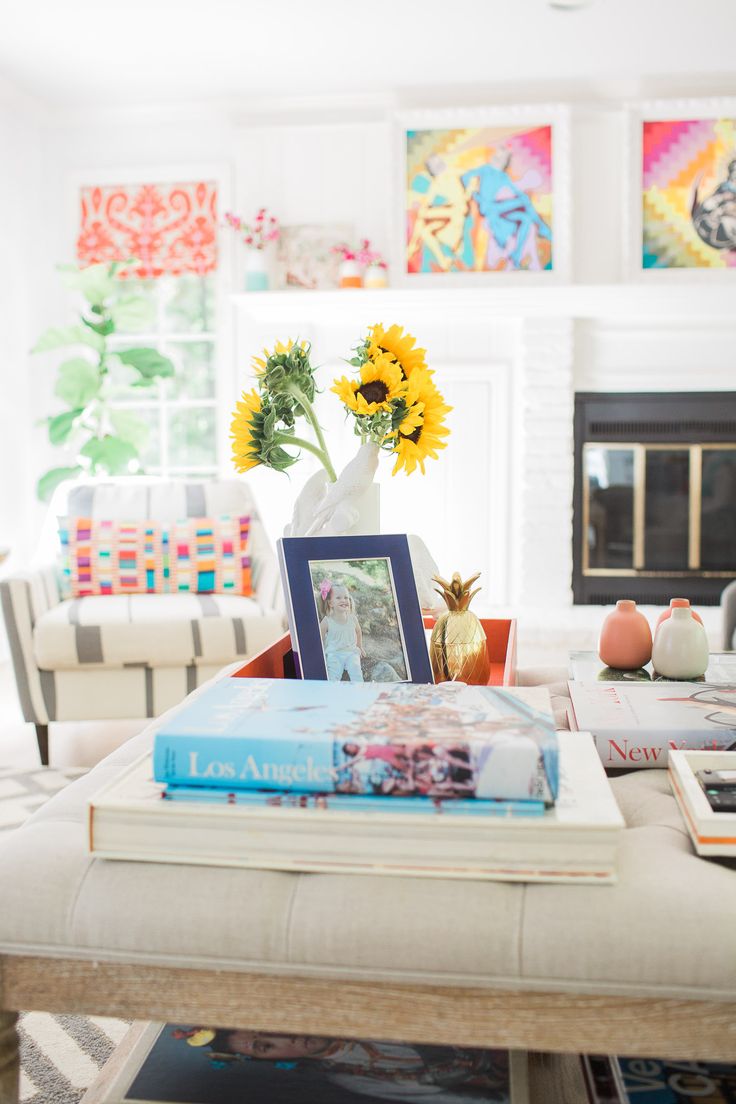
[(354, 614)]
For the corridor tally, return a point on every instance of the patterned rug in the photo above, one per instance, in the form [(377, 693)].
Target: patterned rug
[(60, 1055)]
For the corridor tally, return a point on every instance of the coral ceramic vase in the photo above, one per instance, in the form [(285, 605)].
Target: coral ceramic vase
[(626, 639), (680, 646), (677, 603)]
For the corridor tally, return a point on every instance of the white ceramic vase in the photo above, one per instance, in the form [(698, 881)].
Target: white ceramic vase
[(680, 648), (256, 271), (350, 505), (375, 277)]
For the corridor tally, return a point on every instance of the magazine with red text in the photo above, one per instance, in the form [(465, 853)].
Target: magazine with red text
[(636, 726)]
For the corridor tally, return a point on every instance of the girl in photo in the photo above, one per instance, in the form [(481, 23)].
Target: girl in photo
[(342, 637)]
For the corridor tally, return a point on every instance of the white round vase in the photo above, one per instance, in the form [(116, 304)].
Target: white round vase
[(680, 648)]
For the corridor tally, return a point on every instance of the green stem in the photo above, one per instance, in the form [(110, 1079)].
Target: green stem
[(311, 417), (300, 442)]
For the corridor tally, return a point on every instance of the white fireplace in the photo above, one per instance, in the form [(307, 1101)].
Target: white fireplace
[(499, 499)]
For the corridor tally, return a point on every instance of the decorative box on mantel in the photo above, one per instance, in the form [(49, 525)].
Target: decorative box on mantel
[(278, 660)]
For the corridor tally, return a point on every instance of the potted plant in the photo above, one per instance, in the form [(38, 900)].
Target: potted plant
[(96, 436)]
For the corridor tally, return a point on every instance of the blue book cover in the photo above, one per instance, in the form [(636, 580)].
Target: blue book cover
[(397, 740), (353, 803)]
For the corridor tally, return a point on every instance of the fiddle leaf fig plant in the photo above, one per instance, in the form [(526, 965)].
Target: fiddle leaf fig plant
[(96, 436)]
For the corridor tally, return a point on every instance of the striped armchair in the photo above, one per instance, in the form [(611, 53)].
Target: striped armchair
[(129, 656)]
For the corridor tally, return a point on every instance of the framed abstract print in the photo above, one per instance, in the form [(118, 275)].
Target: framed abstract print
[(483, 194), (682, 206)]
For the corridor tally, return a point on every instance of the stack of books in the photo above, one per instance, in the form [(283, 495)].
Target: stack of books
[(711, 823), (444, 781)]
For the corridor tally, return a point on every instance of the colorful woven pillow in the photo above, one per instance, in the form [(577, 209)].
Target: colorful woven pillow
[(195, 556)]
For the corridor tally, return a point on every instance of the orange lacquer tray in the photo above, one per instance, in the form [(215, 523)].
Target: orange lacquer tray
[(277, 661)]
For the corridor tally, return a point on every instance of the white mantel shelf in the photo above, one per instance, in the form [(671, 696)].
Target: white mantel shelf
[(672, 301)]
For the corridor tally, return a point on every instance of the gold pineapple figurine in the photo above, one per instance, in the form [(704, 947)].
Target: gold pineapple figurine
[(458, 649)]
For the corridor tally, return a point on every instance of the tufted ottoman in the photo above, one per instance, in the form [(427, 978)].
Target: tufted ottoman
[(647, 966)]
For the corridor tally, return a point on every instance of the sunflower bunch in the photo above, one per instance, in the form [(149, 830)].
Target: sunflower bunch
[(394, 400), (264, 421)]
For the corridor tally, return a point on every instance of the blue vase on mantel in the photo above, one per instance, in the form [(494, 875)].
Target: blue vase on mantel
[(256, 274)]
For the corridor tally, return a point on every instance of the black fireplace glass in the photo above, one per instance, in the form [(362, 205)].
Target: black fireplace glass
[(609, 474), (718, 511), (667, 509)]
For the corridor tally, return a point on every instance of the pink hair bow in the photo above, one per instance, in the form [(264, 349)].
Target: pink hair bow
[(325, 587)]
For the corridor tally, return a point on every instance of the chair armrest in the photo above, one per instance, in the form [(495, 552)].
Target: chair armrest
[(728, 611), (24, 596)]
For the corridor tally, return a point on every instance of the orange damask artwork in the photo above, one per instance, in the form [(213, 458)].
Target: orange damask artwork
[(171, 229)]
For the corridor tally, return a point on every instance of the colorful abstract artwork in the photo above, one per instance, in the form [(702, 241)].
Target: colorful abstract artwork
[(479, 200), (689, 193)]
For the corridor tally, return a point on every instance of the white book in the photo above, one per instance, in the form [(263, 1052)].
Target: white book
[(636, 726), (574, 841), (712, 833)]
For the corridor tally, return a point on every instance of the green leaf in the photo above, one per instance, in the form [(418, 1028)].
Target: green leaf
[(96, 282), (59, 336), (103, 328), (51, 479), (112, 454), (148, 362), (133, 313), (61, 426), (78, 382), (129, 427)]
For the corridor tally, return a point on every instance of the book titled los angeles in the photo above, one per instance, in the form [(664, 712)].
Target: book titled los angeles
[(393, 740), (135, 818)]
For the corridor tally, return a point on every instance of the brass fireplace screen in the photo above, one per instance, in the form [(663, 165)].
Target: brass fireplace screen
[(659, 509)]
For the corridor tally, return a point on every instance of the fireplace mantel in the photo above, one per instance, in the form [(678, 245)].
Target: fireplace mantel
[(667, 300)]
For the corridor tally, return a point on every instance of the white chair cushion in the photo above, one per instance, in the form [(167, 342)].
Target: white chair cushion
[(158, 630)]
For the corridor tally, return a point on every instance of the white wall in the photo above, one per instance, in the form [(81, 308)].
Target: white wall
[(334, 165), (23, 229)]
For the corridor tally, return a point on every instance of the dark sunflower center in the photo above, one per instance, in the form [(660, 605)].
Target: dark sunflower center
[(374, 392), (414, 437)]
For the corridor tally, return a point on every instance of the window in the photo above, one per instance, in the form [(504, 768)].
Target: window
[(179, 412), (171, 230)]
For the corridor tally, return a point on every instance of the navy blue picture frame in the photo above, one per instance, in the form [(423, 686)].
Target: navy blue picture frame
[(295, 554)]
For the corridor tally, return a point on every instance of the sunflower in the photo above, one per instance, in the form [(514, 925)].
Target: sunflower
[(246, 431), (420, 433), (381, 383), (398, 345), (279, 349)]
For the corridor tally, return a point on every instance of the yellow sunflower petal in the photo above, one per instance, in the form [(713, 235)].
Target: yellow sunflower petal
[(398, 345), (245, 443), (420, 438)]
